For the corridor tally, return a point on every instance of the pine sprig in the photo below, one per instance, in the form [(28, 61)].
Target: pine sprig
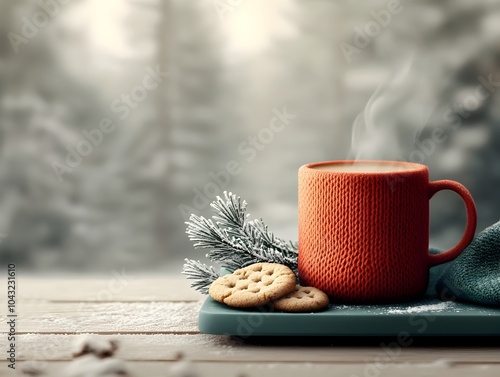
[(233, 242), (202, 275)]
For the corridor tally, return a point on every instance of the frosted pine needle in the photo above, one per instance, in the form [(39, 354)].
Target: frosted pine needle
[(202, 275), (233, 242)]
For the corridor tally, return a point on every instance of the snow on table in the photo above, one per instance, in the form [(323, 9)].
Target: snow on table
[(154, 324)]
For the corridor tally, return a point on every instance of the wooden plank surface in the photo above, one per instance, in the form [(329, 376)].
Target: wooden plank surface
[(154, 319), (214, 348), (164, 369), (118, 286), (106, 317)]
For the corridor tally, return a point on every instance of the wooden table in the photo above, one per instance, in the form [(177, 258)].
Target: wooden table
[(154, 319)]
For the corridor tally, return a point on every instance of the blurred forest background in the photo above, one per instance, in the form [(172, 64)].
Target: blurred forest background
[(188, 84)]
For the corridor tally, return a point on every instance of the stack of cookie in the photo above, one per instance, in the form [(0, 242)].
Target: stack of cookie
[(264, 283)]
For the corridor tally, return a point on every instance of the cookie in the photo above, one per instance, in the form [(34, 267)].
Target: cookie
[(302, 299), (253, 285)]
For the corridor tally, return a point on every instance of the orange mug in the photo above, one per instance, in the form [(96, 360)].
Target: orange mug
[(364, 229)]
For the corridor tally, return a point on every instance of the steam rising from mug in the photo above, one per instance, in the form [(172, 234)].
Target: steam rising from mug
[(394, 116)]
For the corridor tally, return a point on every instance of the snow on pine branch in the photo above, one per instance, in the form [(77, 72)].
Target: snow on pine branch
[(233, 242), (202, 275)]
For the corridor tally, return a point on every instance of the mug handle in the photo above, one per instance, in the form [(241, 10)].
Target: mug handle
[(470, 228)]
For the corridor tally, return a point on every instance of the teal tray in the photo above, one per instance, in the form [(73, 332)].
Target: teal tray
[(427, 317)]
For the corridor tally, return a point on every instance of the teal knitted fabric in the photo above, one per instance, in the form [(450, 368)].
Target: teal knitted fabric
[(474, 276)]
